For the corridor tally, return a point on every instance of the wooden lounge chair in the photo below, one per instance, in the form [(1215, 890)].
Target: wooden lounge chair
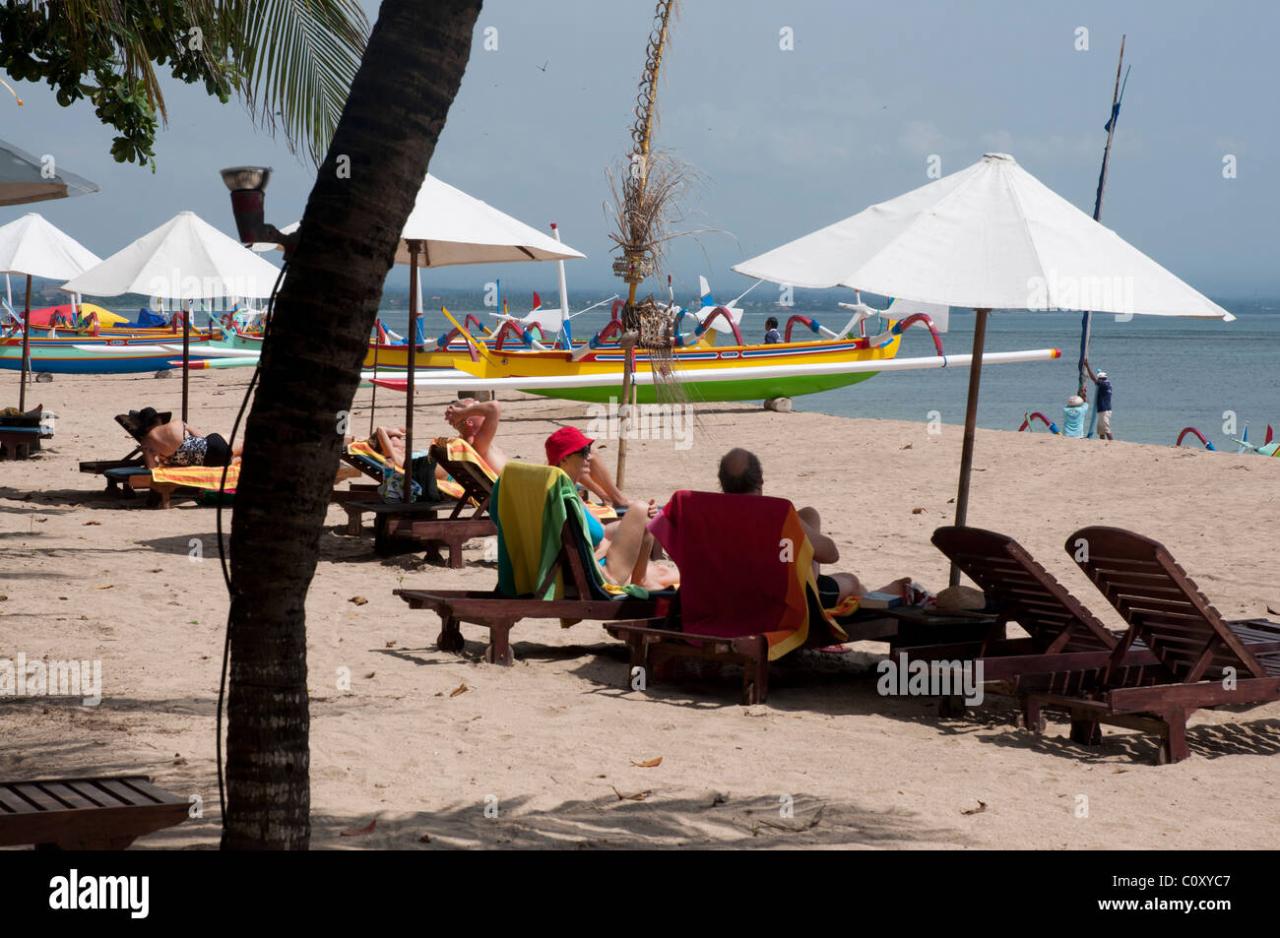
[(1202, 659), (743, 607), (98, 813), (103, 468), (581, 598), (401, 526), (1062, 634), (21, 433)]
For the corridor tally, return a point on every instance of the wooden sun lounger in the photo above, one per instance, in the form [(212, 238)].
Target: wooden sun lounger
[(1202, 659), (21, 442), (651, 642), (20, 434), (498, 613), (102, 467), (408, 526), (98, 813), (1021, 591)]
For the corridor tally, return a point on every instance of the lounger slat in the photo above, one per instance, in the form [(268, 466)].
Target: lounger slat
[(33, 793), (155, 794), (122, 791), (10, 803), (66, 795), (90, 793)]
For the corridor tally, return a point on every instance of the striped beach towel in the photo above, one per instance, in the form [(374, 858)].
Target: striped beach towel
[(531, 505), (746, 568), (205, 478)]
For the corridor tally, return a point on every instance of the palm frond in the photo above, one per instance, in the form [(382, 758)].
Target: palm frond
[(299, 58)]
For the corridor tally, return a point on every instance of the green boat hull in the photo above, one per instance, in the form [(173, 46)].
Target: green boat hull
[(755, 389)]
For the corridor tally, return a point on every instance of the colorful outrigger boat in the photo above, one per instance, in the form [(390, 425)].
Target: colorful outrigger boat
[(105, 355), (736, 372)]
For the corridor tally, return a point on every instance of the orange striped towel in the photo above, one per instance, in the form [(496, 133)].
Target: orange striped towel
[(207, 478)]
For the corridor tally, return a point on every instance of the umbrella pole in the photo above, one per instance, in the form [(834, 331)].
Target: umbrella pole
[(26, 350), (373, 401), (186, 357), (407, 485), (970, 424)]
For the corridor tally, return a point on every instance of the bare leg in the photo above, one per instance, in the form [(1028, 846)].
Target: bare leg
[(628, 547), (849, 585), (599, 481)]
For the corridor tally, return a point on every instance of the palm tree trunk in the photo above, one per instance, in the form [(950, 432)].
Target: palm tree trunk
[(417, 53)]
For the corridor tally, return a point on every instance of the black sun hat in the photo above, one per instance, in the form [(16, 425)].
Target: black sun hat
[(138, 423)]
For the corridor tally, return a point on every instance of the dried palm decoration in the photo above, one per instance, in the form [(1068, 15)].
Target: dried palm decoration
[(644, 201)]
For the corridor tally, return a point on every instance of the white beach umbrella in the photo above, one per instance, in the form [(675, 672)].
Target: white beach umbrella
[(24, 178), (446, 228), (186, 258), (32, 247), (455, 228), (991, 236)]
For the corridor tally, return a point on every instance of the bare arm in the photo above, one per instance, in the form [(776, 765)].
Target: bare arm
[(489, 412), (824, 549), (1089, 369)]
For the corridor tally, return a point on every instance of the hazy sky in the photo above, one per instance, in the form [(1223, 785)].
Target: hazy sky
[(783, 141)]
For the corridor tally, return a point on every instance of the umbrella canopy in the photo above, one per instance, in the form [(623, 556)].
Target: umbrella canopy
[(458, 229), (447, 227), (186, 258), (24, 178), (34, 247), (991, 236)]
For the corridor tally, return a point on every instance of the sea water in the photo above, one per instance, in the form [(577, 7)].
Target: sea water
[(1167, 373)]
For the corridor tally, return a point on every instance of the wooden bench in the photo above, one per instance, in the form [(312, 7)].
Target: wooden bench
[(96, 813)]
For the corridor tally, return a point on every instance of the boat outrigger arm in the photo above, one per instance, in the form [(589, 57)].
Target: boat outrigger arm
[(737, 373)]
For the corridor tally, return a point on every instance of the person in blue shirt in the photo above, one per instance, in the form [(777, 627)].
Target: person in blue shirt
[(1073, 417), (771, 334), (1103, 383)]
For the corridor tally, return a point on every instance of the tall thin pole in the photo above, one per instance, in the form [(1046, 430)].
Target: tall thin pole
[(1086, 320), (970, 425), (407, 482), (373, 401), (26, 350), (186, 355)]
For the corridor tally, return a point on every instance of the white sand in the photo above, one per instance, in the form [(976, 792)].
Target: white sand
[(553, 740)]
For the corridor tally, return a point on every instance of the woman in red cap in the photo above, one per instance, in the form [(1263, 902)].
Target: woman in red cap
[(625, 546)]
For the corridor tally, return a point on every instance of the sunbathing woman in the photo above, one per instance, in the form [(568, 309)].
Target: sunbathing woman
[(624, 548), (170, 443)]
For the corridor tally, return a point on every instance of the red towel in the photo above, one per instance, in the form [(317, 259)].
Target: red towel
[(746, 567)]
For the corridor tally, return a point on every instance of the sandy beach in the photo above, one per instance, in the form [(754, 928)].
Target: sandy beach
[(425, 741)]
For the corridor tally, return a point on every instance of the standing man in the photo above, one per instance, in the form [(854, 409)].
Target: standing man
[(1103, 402)]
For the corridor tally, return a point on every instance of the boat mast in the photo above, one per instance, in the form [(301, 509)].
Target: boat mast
[(1117, 95)]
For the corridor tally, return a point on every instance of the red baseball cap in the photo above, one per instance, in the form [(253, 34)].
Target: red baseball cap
[(565, 442)]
